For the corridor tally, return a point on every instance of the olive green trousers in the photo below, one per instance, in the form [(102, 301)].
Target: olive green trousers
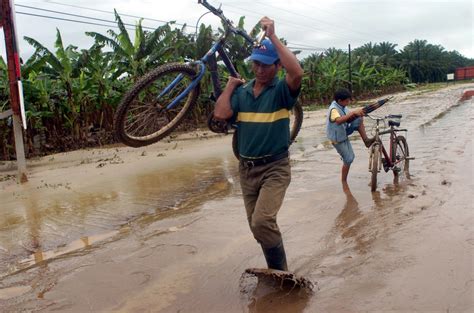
[(263, 189)]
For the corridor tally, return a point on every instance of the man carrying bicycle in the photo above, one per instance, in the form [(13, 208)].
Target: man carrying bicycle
[(261, 108), (340, 124)]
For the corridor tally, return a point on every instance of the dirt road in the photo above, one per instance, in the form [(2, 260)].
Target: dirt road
[(163, 229)]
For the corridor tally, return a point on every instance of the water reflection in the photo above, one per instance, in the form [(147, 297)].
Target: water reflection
[(180, 191), (40, 256), (377, 199), (33, 220), (12, 292), (351, 222), (58, 227), (269, 298)]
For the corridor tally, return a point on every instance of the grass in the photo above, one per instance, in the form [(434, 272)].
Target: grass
[(417, 88), (422, 88), (314, 107)]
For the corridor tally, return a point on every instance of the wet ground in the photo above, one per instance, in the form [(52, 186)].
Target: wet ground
[(174, 237)]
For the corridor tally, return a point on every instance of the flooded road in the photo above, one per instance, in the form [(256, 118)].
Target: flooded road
[(164, 230)]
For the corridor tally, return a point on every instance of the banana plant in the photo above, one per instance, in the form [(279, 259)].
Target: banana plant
[(135, 58), (62, 66), (99, 89), (4, 86)]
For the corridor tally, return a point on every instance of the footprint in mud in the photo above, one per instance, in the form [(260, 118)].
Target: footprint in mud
[(444, 182), (7, 177), (142, 277)]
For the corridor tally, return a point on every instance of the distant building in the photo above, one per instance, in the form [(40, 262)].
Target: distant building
[(463, 73)]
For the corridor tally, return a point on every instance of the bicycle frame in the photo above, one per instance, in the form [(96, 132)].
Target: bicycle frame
[(389, 158), (210, 58)]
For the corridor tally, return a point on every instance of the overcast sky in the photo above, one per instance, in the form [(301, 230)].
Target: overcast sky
[(307, 24)]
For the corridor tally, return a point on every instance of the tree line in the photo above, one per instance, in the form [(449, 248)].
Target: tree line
[(71, 94)]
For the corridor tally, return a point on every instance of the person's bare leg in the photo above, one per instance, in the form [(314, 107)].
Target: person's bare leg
[(367, 141), (345, 172), (345, 187)]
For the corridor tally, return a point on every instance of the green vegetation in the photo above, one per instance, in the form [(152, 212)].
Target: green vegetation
[(71, 94)]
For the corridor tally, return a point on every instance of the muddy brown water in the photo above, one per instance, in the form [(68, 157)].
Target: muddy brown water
[(177, 240)]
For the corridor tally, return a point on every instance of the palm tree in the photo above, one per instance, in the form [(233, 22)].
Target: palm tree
[(424, 62), (387, 52)]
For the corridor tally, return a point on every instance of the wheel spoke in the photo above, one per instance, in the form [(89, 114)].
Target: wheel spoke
[(142, 117), (400, 156)]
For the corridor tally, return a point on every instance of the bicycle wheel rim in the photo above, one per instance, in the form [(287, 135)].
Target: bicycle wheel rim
[(144, 116), (400, 155)]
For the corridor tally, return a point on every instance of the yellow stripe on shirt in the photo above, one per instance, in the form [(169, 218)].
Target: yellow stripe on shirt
[(254, 117)]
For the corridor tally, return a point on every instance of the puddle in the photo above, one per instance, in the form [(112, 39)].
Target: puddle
[(12, 292), (177, 239)]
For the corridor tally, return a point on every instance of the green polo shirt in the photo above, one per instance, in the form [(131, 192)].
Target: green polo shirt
[(263, 122)]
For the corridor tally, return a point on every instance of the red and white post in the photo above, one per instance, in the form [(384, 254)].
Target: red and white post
[(17, 112)]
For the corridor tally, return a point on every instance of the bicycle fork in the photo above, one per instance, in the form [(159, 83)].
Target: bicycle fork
[(372, 154)]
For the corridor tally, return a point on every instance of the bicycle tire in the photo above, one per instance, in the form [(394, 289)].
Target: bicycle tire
[(374, 162), (141, 119), (400, 153), (297, 121), (297, 112)]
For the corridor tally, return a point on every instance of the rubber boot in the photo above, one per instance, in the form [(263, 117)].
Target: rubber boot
[(276, 257)]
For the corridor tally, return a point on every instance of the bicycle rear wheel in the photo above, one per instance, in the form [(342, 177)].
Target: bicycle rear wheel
[(400, 156), (142, 118), (374, 164), (296, 120)]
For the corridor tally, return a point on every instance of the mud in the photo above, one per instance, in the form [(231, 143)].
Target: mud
[(163, 229)]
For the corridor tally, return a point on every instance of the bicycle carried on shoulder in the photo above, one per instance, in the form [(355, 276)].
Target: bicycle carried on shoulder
[(160, 100), (397, 158)]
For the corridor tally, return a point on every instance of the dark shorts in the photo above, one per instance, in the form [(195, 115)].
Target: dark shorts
[(344, 148)]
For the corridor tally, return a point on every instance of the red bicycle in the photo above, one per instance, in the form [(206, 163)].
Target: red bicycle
[(398, 157)]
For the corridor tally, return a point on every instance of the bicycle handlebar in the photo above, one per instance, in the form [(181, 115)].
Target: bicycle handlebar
[(239, 31), (381, 118)]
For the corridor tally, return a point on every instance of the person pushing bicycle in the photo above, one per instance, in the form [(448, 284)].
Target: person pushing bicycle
[(261, 109), (340, 124)]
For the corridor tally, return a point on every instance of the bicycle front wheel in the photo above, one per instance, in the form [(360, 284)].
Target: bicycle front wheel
[(143, 116), (374, 163), (296, 120), (400, 155)]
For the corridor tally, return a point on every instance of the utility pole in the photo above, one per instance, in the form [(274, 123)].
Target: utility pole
[(350, 69), (418, 62), (17, 111)]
